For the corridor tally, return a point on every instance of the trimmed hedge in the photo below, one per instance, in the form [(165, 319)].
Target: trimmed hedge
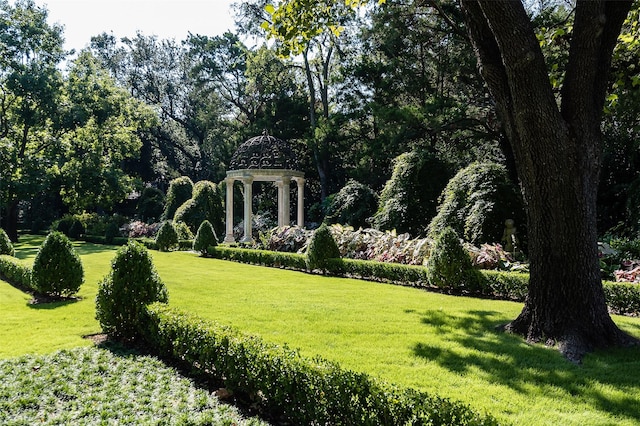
[(622, 298), (15, 271), (260, 257), (290, 388)]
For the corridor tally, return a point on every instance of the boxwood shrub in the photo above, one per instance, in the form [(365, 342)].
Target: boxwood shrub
[(57, 268), (286, 386), (5, 244), (15, 272)]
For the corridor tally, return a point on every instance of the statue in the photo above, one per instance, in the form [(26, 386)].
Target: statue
[(509, 239)]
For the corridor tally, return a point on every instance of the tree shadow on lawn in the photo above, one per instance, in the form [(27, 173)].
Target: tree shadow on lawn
[(28, 246), (49, 303), (508, 360)]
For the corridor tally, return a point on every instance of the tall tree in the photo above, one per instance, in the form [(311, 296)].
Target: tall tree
[(30, 51), (556, 141)]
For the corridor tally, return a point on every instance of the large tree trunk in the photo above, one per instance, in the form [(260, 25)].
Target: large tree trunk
[(558, 160)]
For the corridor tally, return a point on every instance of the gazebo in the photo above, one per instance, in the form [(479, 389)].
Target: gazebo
[(263, 158)]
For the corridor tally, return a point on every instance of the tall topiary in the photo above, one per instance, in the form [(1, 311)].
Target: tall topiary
[(5, 244), (409, 198), (321, 248), (167, 237), (352, 205), (476, 203), (57, 269), (124, 293), (449, 264), (180, 190), (206, 204), (205, 238)]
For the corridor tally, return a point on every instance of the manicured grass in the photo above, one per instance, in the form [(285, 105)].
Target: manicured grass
[(442, 344), (43, 328), (86, 386)]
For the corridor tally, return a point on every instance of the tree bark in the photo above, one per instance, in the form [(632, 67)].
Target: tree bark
[(558, 162)]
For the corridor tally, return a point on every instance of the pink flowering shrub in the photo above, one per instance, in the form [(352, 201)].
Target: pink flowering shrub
[(138, 229)]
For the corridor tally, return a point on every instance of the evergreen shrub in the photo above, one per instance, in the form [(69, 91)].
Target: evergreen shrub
[(6, 247), (57, 269), (292, 388), (206, 204), (15, 271), (124, 293), (476, 203), (111, 232), (180, 190), (167, 237), (69, 225), (205, 239), (183, 231), (409, 198), (321, 248), (352, 205), (449, 265)]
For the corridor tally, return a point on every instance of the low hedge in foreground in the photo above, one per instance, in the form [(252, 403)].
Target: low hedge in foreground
[(260, 257), (289, 387)]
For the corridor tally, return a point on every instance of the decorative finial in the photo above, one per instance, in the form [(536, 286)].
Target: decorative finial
[(265, 132)]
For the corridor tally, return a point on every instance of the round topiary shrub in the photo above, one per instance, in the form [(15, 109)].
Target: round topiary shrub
[(476, 203), (5, 244), (449, 265), (321, 248), (123, 294), (57, 269), (167, 237), (409, 198), (352, 205), (205, 238), (183, 231), (180, 190)]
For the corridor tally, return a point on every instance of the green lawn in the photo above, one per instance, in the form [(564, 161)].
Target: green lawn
[(442, 344)]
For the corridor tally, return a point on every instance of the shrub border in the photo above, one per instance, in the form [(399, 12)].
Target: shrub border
[(288, 387)]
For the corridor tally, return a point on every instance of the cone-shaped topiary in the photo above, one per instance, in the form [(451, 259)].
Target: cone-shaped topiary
[(167, 237), (449, 265), (321, 247), (57, 269), (205, 238), (5, 244), (124, 293)]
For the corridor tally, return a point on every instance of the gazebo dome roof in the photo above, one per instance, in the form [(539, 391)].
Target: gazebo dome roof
[(264, 152)]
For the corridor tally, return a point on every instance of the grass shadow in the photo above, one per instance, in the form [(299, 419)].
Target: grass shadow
[(28, 245), (47, 303), (508, 360)]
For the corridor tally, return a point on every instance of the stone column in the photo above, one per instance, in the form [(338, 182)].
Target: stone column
[(248, 202), (300, 183), (284, 203), (229, 210)]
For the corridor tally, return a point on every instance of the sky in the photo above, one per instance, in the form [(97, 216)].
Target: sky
[(166, 19)]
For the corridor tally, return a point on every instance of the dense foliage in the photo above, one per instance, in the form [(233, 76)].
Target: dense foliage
[(6, 247), (206, 204), (353, 205), (180, 191), (408, 200), (449, 265), (57, 268), (125, 291), (150, 204), (477, 202)]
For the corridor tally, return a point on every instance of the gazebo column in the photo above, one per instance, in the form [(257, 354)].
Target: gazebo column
[(284, 204), (300, 184), (248, 201), (229, 211)]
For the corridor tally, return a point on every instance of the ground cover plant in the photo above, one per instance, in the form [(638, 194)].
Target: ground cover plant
[(96, 386), (440, 344)]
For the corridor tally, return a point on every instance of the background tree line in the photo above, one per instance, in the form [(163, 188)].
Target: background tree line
[(396, 95)]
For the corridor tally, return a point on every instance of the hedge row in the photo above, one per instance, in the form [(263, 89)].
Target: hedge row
[(16, 272), (260, 257), (289, 388), (622, 298)]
